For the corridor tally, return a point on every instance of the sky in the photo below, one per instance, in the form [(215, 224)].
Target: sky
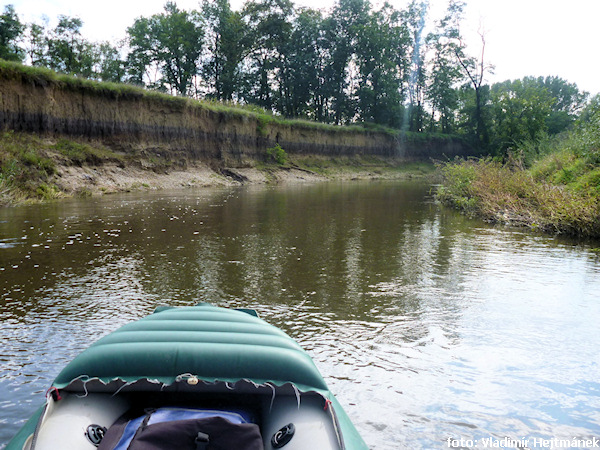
[(523, 37)]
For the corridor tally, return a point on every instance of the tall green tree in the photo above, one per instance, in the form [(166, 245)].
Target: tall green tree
[(380, 46), (590, 111), (36, 44), (142, 65), (567, 101), (11, 30), (110, 66), (521, 109), (270, 26), (173, 41), (347, 20), (228, 42), (301, 93), (445, 74), (68, 51)]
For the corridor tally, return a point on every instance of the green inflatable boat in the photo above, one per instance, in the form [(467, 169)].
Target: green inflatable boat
[(200, 378)]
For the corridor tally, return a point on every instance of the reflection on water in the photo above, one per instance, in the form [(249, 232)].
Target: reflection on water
[(426, 325)]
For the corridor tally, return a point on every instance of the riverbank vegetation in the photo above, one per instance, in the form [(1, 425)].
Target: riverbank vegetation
[(352, 67), (551, 184), (29, 163)]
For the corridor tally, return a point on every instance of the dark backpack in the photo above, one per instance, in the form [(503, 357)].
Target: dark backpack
[(185, 429)]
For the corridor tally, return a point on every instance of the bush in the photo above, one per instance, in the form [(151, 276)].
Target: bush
[(277, 154)]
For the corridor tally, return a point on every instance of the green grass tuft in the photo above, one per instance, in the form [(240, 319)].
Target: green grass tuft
[(277, 154), (79, 154)]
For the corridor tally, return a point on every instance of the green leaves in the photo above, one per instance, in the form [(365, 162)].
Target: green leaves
[(380, 46), (172, 42), (520, 112), (67, 51), (277, 154), (228, 41), (10, 31)]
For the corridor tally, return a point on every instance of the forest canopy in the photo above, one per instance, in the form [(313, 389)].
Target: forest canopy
[(350, 64)]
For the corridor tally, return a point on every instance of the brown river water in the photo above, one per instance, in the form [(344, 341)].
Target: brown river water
[(433, 330)]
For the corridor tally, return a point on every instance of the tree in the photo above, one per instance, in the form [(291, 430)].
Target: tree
[(567, 102), (589, 111), (270, 31), (475, 69), (141, 56), (227, 45), (381, 45), (347, 21), (11, 30), (67, 51), (445, 74), (302, 66), (36, 45), (521, 109), (110, 67), (530, 108), (588, 126), (173, 41)]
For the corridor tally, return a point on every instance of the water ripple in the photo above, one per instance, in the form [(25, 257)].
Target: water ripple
[(425, 324)]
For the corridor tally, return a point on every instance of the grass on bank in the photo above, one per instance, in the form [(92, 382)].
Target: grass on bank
[(502, 194), (40, 76), (552, 185), (24, 169), (361, 164), (28, 164)]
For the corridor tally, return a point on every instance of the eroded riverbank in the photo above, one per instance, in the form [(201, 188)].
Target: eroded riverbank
[(64, 135), (36, 168)]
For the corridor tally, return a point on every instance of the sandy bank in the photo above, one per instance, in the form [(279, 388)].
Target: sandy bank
[(110, 178)]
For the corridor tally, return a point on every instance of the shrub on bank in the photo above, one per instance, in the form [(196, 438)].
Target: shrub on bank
[(277, 154), (552, 184), (503, 194)]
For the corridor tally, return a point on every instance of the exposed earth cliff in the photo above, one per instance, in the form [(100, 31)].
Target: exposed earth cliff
[(131, 132)]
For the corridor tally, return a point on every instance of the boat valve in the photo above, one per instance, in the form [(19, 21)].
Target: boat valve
[(283, 436)]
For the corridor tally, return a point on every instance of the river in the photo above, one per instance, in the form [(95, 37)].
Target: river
[(428, 326)]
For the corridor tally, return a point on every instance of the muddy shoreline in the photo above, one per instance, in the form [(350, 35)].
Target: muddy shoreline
[(112, 178), (92, 180)]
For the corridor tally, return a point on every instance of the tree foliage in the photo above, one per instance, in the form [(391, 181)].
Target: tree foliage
[(172, 41), (380, 47), (354, 63), (227, 39), (10, 30), (68, 51), (445, 74), (520, 112), (303, 65)]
